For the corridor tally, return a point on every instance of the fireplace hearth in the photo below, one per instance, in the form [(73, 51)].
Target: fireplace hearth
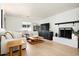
[(65, 32)]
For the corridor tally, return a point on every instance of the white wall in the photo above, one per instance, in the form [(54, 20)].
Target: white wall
[(71, 15), (14, 23)]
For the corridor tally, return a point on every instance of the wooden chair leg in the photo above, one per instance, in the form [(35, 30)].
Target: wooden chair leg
[(20, 50), (10, 51)]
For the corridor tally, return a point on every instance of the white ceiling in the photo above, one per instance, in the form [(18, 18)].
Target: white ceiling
[(37, 9)]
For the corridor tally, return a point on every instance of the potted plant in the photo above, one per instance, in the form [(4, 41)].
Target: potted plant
[(77, 33)]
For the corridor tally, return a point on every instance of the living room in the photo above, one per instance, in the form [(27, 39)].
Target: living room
[(55, 26)]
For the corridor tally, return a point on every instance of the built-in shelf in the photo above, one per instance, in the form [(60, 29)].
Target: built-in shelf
[(67, 22)]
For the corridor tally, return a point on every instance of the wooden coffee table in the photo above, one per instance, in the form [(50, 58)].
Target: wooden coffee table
[(35, 40), (14, 43)]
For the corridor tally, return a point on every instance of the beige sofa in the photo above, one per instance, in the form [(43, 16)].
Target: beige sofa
[(9, 36)]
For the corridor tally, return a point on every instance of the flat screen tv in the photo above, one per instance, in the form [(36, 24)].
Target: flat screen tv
[(45, 26)]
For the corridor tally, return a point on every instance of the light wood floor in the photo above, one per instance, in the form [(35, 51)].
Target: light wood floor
[(49, 48)]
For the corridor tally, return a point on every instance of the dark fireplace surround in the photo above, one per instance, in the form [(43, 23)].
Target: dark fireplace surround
[(65, 32)]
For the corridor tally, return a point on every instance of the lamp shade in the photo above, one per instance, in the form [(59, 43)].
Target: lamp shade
[(2, 31)]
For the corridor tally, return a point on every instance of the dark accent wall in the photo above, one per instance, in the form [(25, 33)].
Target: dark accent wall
[(46, 34), (44, 31), (45, 26)]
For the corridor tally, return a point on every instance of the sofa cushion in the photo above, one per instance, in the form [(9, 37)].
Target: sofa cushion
[(17, 34), (8, 36)]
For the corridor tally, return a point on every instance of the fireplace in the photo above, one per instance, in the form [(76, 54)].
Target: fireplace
[(65, 32)]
